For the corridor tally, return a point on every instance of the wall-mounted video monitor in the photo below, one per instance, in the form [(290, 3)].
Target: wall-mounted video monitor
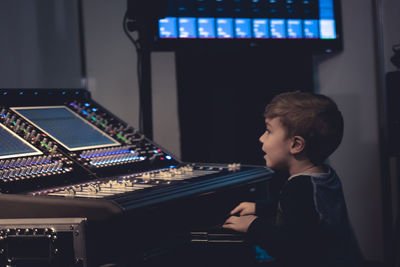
[(307, 23)]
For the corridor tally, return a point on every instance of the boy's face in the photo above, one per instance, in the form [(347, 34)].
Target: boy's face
[(275, 145)]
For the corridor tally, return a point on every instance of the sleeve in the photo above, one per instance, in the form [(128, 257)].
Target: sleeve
[(266, 208), (300, 221)]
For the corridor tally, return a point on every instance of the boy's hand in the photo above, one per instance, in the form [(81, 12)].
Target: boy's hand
[(240, 224), (245, 208)]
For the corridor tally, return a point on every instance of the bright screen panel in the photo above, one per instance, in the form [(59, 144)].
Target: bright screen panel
[(12, 145), (250, 20), (65, 126)]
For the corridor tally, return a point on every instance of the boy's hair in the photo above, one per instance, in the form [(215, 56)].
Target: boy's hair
[(314, 117)]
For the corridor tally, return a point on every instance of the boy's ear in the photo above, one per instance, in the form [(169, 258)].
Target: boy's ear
[(298, 144)]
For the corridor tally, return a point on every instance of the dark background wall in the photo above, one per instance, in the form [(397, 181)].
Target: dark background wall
[(40, 44), (222, 96)]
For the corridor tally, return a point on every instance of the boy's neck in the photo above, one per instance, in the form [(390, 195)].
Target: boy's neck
[(298, 167)]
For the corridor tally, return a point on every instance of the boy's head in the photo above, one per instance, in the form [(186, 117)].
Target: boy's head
[(313, 118)]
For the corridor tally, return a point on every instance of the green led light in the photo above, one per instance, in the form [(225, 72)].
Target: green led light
[(121, 137), (93, 118)]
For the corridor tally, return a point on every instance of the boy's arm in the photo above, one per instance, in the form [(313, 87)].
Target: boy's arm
[(299, 221), (265, 209)]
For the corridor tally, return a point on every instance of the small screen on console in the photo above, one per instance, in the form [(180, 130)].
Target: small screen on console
[(12, 146), (70, 130)]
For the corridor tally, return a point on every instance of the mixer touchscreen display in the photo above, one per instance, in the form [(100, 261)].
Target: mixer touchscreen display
[(11, 145), (70, 130)]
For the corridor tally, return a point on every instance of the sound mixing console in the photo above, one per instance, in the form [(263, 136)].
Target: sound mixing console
[(62, 155)]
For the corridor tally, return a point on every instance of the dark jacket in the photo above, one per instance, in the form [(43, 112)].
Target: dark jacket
[(312, 227)]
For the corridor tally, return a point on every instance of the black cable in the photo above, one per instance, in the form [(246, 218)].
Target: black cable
[(395, 59), (138, 48)]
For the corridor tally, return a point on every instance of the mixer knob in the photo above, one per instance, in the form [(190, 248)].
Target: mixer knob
[(37, 137), (54, 148), (23, 161), (23, 171), (29, 170), (51, 167), (59, 166), (34, 170), (45, 168), (17, 172), (12, 163)]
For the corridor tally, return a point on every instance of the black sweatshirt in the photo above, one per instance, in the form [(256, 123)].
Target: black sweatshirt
[(312, 226)]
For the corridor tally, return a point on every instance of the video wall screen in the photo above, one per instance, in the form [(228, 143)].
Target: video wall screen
[(250, 19)]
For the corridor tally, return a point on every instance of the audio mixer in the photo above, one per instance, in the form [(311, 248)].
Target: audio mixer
[(62, 155)]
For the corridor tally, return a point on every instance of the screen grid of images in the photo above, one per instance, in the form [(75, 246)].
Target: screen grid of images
[(249, 19)]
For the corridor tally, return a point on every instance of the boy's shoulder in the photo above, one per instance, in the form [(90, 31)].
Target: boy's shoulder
[(309, 182), (298, 186)]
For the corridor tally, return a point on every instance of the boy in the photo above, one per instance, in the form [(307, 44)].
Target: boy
[(312, 226)]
